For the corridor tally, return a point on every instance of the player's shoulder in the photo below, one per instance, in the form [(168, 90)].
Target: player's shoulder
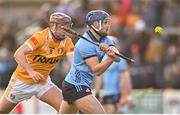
[(68, 39), (68, 42), (107, 37), (42, 33), (39, 37), (84, 44)]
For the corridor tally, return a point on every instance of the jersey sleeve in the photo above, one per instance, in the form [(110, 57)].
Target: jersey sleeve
[(69, 46), (122, 64), (35, 41), (87, 49), (109, 42), (105, 57)]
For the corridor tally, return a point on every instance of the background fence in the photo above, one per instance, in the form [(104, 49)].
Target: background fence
[(147, 101)]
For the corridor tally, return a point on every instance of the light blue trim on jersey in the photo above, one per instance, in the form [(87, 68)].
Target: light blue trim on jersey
[(111, 78), (80, 73)]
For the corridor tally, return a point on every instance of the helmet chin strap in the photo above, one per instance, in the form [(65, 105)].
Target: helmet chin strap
[(97, 29), (100, 23)]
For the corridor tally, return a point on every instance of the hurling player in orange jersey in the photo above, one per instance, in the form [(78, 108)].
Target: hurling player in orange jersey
[(36, 58)]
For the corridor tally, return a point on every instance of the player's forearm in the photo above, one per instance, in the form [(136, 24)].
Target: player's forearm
[(101, 67), (115, 58), (20, 58)]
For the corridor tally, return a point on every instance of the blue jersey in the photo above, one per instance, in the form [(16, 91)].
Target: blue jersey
[(80, 73), (111, 78)]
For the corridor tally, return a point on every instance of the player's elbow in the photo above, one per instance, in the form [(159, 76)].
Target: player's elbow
[(97, 70), (98, 74)]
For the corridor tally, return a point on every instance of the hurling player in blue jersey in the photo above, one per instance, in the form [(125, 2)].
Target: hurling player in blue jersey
[(115, 83), (88, 63), (112, 89), (116, 87)]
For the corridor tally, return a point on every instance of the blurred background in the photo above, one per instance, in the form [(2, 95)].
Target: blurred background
[(156, 75)]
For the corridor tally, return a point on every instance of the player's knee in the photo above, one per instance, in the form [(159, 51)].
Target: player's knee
[(3, 111), (55, 104), (6, 106)]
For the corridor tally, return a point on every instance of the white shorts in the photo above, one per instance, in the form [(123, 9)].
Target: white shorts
[(18, 91)]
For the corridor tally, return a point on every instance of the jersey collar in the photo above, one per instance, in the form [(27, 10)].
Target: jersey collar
[(93, 37)]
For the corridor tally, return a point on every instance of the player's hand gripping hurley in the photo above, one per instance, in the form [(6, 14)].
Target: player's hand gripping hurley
[(97, 44)]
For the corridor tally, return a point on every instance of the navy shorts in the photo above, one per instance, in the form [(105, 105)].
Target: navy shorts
[(111, 99), (71, 92)]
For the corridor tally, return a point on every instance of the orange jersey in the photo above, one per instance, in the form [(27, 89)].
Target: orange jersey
[(44, 56)]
